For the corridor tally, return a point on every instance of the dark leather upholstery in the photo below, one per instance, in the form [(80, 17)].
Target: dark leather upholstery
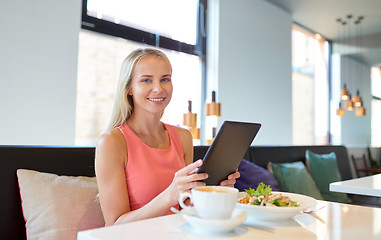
[(71, 161), (79, 161), (282, 154)]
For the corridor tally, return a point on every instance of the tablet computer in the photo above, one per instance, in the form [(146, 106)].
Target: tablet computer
[(227, 150)]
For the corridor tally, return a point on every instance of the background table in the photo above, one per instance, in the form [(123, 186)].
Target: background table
[(370, 186), (335, 221)]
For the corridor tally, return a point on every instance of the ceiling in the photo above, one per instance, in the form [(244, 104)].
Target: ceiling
[(321, 16)]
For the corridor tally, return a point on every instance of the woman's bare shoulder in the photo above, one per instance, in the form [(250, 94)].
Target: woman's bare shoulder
[(183, 133), (113, 138), (111, 144)]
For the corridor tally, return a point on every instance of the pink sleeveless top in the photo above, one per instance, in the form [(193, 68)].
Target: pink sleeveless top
[(150, 171)]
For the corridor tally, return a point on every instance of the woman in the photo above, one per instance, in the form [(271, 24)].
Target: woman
[(142, 165)]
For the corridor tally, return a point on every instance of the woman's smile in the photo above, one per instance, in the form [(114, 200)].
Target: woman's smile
[(156, 99)]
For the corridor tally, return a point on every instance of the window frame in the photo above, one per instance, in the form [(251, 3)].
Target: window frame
[(117, 30)]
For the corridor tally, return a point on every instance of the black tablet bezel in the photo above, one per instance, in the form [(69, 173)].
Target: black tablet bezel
[(232, 141)]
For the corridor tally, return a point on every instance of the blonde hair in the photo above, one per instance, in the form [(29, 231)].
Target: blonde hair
[(123, 104)]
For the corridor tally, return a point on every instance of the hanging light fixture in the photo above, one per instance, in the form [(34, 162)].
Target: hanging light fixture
[(190, 120), (213, 108), (360, 111), (340, 111), (349, 103), (344, 93), (355, 102)]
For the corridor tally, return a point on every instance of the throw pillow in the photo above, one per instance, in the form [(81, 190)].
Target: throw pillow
[(252, 175), (294, 177), (57, 207), (324, 170)]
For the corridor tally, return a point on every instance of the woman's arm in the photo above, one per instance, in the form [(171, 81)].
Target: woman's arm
[(110, 161), (187, 144)]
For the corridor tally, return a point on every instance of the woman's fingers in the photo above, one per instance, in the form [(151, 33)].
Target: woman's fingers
[(228, 183), (190, 168), (190, 185), (231, 179), (188, 173), (187, 177), (193, 171), (234, 175), (186, 181)]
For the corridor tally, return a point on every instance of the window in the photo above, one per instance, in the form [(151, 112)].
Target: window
[(168, 18), (170, 24), (376, 106), (111, 30), (310, 88)]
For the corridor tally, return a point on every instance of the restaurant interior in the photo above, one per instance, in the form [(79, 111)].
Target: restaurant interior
[(249, 71)]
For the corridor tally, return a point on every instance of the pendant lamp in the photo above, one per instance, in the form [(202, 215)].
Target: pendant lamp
[(360, 111), (356, 102), (190, 120), (340, 111), (213, 108), (349, 105), (344, 93), (357, 99)]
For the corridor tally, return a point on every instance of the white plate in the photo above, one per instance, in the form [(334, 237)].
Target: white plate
[(213, 226), (278, 213)]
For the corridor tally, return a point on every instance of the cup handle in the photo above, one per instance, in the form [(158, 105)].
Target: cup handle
[(184, 196)]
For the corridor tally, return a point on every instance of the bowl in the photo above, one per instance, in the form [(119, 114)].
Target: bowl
[(278, 213)]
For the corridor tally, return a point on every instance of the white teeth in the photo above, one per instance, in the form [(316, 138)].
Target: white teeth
[(156, 99)]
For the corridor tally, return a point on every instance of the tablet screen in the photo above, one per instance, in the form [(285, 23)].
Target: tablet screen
[(227, 150)]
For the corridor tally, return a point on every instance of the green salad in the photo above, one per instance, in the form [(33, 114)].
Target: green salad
[(263, 196)]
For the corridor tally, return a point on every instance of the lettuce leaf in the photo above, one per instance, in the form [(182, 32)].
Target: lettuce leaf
[(250, 192), (262, 189)]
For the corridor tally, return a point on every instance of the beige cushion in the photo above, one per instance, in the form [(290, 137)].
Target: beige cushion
[(57, 207)]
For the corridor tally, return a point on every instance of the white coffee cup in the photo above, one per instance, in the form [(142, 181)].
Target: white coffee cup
[(212, 202)]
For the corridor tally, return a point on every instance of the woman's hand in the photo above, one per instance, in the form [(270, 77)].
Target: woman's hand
[(186, 179), (231, 179)]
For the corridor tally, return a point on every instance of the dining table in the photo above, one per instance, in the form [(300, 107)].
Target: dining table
[(369, 186), (333, 221)]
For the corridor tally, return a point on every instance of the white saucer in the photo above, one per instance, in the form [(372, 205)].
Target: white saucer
[(215, 225)]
